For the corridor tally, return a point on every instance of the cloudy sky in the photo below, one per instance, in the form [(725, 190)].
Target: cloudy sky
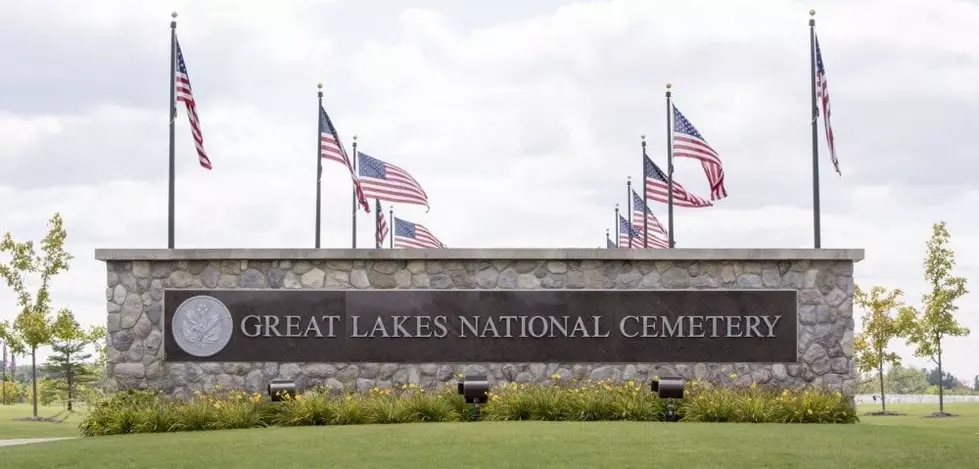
[(520, 118)]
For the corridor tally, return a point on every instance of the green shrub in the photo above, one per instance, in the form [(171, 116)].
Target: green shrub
[(758, 404), (559, 400), (10, 392)]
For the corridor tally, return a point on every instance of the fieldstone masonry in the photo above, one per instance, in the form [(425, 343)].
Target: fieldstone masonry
[(136, 280)]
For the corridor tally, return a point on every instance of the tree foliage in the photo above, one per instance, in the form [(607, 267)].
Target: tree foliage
[(935, 320), (948, 380), (27, 268), (906, 380), (879, 328), (68, 367)]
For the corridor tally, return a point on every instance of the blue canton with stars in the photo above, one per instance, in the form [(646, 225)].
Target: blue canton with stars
[(625, 227), (371, 167), (682, 125), (653, 171), (404, 229), (638, 202)]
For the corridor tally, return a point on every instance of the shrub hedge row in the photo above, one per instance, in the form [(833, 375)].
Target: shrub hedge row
[(559, 400)]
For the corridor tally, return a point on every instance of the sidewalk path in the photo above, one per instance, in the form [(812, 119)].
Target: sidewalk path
[(24, 441)]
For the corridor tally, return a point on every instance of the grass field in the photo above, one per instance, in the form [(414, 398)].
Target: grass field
[(892, 441)]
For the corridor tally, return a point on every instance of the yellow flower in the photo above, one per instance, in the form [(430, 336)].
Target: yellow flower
[(349, 397), (733, 376), (555, 376)]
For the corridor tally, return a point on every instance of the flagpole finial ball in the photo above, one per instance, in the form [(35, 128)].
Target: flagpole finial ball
[(173, 14), (812, 12), (642, 137), (319, 86), (668, 86), (355, 137)]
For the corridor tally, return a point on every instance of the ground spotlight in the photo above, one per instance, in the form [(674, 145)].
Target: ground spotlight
[(475, 390), (669, 389), (279, 388)]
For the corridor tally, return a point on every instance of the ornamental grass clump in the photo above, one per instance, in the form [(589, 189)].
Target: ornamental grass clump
[(706, 402), (560, 399)]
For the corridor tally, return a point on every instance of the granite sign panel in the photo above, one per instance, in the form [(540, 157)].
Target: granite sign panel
[(473, 326)]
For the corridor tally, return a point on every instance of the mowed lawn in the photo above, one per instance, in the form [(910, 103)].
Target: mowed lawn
[(885, 442), (12, 427)]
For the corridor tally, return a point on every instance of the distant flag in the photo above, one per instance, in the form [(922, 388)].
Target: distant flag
[(657, 188), (332, 149), (382, 225), (385, 181), (608, 242), (689, 143), (186, 96), (658, 237), (414, 235), (624, 230), (822, 92)]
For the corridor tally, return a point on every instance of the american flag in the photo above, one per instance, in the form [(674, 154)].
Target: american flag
[(332, 149), (185, 95), (822, 92), (689, 143), (413, 235), (624, 230), (382, 224), (385, 181), (658, 238), (657, 188)]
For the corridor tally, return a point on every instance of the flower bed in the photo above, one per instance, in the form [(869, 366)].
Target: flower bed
[(560, 400)]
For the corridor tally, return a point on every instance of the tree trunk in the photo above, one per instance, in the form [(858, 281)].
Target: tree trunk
[(880, 375), (34, 378), (68, 372), (941, 378)]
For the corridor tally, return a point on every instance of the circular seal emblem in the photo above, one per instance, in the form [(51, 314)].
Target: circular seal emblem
[(202, 326)]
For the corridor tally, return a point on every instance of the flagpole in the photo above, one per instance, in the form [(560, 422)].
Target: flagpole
[(378, 242), (645, 234), (353, 212), (669, 158), (173, 117), (617, 225), (628, 201), (816, 225), (607, 239), (319, 161), (391, 214)]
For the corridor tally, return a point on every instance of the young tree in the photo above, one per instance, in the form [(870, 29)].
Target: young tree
[(879, 327), (67, 367), (936, 319), (32, 326)]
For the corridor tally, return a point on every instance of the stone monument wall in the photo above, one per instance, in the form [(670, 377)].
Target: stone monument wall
[(136, 280)]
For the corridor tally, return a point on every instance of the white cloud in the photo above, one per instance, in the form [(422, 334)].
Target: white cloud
[(521, 129)]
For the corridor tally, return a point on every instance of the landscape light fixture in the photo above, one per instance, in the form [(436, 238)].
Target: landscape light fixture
[(669, 389), (279, 388), (475, 390)]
